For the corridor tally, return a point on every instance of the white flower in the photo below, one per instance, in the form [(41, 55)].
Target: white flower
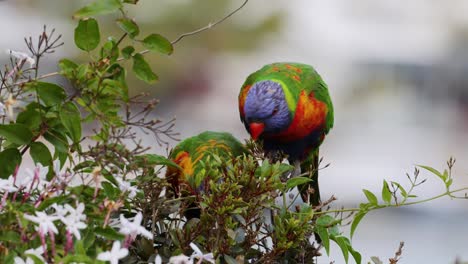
[(38, 252), (73, 220), (46, 222), (126, 187), (198, 254), (158, 259), (22, 56), (134, 228), (22, 180), (2, 109), (180, 259), (19, 260), (60, 210), (116, 253), (7, 185)]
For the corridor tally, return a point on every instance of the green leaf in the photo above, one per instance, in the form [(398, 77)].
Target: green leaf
[(128, 26), (128, 51), (87, 35), (50, 201), (9, 159), (71, 120), (158, 43), (229, 259), (58, 140), (67, 68), (10, 236), (153, 160), (356, 255), (110, 190), (40, 153), (31, 117), (143, 70), (98, 7), (50, 93), (16, 133), (109, 233), (370, 197), (77, 258), (296, 181), (323, 233), (386, 194), (342, 243), (442, 176), (326, 221), (357, 218)]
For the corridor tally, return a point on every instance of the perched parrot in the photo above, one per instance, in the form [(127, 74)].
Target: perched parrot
[(188, 154), (287, 106)]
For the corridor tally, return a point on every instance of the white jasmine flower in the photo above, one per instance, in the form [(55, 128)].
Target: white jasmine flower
[(19, 260), (73, 221), (134, 228), (38, 252), (180, 259), (198, 254), (158, 259), (126, 187), (7, 185), (46, 222), (22, 56), (116, 253), (60, 211)]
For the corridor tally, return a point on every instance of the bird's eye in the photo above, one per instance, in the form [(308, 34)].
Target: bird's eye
[(274, 111)]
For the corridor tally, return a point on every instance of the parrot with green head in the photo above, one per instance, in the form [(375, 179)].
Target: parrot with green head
[(191, 153), (287, 106)]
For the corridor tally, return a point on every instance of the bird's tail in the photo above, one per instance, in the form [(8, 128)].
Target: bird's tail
[(311, 165)]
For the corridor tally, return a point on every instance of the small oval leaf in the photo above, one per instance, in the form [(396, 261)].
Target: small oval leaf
[(128, 26), (71, 120), (40, 153), (143, 70), (370, 197), (87, 34), (296, 181), (98, 7), (9, 158), (50, 93), (16, 133), (156, 42)]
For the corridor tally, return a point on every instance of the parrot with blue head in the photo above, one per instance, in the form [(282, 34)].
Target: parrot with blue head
[(287, 106)]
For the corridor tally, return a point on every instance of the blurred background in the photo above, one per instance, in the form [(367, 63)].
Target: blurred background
[(397, 73)]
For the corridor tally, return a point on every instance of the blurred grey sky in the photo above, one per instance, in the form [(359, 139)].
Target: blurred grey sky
[(397, 72)]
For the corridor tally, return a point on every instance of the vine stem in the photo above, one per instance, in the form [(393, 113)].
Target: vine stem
[(449, 193), (179, 38)]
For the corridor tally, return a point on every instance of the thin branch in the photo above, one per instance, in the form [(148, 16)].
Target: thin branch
[(209, 26), (448, 193)]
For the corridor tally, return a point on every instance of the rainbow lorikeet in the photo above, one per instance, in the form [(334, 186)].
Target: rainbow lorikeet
[(287, 106), (191, 153)]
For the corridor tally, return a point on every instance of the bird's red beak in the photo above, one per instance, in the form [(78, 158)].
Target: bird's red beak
[(256, 129)]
